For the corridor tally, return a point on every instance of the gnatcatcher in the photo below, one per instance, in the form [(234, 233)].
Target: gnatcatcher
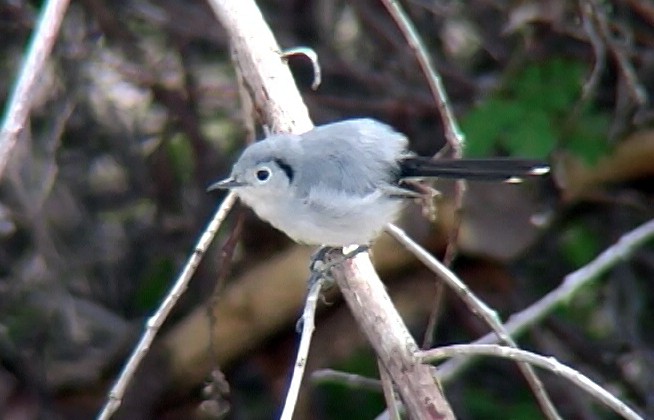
[(340, 184)]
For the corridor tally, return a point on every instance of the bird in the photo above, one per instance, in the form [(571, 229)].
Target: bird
[(341, 183)]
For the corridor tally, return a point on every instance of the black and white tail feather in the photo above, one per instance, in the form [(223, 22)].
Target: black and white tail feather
[(492, 169)]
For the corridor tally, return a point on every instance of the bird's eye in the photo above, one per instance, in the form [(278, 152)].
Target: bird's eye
[(263, 174)]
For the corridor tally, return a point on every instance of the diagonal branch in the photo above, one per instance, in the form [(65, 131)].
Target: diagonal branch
[(156, 321), (480, 308), (20, 102), (572, 283), (254, 50), (549, 363)]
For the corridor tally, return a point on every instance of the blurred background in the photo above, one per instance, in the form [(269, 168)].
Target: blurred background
[(138, 111)]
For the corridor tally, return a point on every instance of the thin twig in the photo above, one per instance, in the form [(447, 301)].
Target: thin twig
[(477, 306), (308, 326), (20, 102), (549, 363), (154, 323), (226, 259), (392, 406), (227, 253), (453, 134), (351, 380), (599, 49), (636, 90), (310, 54), (434, 315), (571, 284)]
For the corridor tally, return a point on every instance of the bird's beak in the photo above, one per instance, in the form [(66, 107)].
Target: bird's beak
[(225, 184)]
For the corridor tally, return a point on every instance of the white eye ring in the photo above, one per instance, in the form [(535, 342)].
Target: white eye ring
[(263, 174)]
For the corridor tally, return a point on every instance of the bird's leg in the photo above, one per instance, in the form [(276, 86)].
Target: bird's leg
[(319, 258), (318, 265), (321, 264)]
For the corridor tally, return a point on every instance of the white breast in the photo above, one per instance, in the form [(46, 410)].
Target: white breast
[(328, 218)]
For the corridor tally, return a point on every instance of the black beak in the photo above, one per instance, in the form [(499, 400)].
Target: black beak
[(225, 184)]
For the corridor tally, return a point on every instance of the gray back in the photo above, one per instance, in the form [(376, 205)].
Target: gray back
[(353, 156)]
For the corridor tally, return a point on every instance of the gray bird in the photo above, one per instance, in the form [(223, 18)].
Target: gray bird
[(340, 184)]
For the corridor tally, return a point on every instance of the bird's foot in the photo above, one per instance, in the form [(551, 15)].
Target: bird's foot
[(322, 262)]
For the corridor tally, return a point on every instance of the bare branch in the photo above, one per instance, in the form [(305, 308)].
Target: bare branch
[(351, 380), (308, 326), (549, 363), (395, 347), (392, 405), (480, 308), (572, 283), (20, 102), (453, 134), (265, 74), (156, 321)]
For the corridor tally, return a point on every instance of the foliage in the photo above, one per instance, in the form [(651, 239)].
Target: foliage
[(531, 115)]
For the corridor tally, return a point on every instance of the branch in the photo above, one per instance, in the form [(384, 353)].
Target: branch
[(255, 52), (572, 283), (350, 380), (265, 74), (20, 102), (308, 327), (453, 134), (478, 307), (395, 347), (549, 363), (156, 321)]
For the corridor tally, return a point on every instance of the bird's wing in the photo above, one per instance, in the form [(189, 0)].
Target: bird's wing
[(355, 156)]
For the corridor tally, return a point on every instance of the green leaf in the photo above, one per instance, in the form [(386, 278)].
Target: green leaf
[(532, 115), (534, 138), (487, 124), (553, 86)]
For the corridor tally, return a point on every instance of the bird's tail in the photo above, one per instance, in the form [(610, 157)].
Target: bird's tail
[(491, 169)]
